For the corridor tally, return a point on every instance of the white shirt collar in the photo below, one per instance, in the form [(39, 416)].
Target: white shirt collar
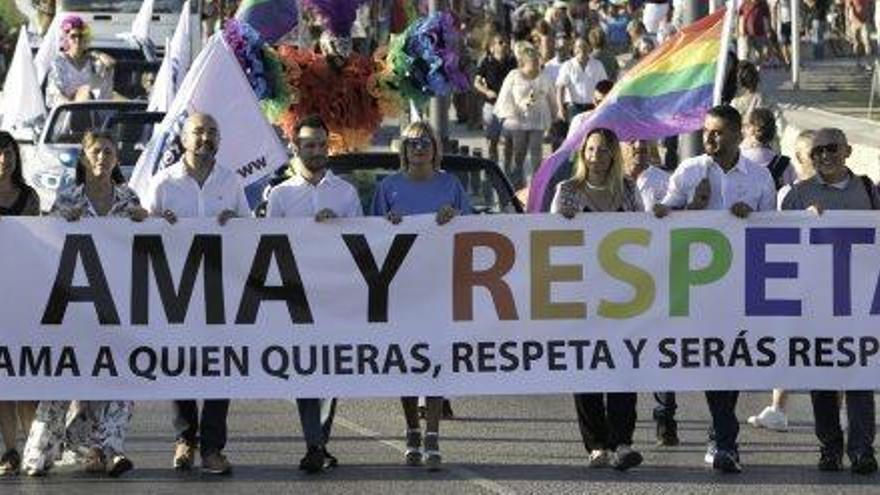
[(327, 179)]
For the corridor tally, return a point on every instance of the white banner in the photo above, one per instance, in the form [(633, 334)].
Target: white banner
[(109, 309)]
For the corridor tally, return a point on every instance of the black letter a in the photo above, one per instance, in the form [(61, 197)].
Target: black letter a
[(63, 292), (291, 290)]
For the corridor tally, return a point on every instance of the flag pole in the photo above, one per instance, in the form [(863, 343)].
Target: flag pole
[(726, 36)]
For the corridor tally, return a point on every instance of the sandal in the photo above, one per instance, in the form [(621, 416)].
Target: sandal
[(94, 461), (119, 466), (10, 463)]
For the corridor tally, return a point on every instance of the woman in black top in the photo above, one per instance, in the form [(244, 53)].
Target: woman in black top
[(16, 199)]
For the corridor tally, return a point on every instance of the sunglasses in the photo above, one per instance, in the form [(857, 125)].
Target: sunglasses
[(419, 143), (825, 148)]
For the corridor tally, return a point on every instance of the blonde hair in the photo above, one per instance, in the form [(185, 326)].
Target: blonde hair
[(614, 179), (523, 49), (419, 129)]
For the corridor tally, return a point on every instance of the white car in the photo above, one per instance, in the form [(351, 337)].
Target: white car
[(51, 166)]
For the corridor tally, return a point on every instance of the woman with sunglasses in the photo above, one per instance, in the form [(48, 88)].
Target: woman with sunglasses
[(16, 199), (420, 188), (93, 430), (607, 421), (77, 74)]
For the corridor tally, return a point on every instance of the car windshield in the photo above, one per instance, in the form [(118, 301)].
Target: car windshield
[(70, 124), (121, 6)]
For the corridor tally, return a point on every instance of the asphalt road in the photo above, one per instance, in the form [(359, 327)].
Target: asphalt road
[(502, 445)]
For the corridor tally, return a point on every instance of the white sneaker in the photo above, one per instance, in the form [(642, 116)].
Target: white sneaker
[(600, 458), (771, 419)]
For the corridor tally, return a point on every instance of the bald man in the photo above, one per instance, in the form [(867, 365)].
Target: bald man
[(196, 187)]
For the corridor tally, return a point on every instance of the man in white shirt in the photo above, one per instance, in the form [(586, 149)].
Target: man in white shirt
[(576, 81), (196, 187), (314, 191), (721, 179), (643, 165)]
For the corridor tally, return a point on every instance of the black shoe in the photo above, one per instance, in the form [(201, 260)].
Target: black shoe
[(330, 461), (830, 461), (626, 458), (447, 410), (313, 461), (667, 433), (726, 462), (864, 464)]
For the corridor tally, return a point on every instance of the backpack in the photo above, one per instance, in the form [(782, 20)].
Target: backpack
[(777, 168), (870, 188)]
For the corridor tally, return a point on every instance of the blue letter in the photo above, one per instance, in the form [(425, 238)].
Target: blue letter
[(758, 270), (842, 240)]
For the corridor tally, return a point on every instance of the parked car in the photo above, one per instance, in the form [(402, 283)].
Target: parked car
[(489, 189), (51, 166)]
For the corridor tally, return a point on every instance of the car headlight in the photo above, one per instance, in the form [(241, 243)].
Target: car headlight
[(67, 159)]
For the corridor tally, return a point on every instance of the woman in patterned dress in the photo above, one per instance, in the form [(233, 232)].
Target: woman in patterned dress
[(93, 430)]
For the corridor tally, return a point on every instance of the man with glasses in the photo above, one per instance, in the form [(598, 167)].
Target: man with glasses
[(835, 187), (313, 191)]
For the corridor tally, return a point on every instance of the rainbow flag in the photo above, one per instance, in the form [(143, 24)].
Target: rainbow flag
[(271, 18), (666, 93)]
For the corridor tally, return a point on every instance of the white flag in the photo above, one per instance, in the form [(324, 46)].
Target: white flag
[(22, 99), (178, 56), (50, 48), (216, 85), (140, 27)]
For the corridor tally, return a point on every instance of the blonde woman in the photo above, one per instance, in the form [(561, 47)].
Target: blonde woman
[(421, 187), (526, 105), (606, 421)]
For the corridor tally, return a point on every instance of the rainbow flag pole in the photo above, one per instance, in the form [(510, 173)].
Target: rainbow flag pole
[(665, 94)]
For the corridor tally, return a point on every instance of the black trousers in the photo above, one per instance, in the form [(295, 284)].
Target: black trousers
[(666, 407), (606, 420), (860, 413), (725, 426), (209, 431)]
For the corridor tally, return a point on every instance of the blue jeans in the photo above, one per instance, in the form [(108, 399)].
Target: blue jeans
[(817, 38)]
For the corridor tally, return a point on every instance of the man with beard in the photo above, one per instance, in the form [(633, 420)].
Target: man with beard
[(196, 187), (314, 191), (721, 179)]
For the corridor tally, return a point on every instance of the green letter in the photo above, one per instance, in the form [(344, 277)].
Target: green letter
[(641, 280), (681, 277)]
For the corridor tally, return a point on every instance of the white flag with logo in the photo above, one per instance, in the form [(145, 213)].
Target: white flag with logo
[(50, 47), (140, 27), (178, 56), (216, 85), (22, 99)]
